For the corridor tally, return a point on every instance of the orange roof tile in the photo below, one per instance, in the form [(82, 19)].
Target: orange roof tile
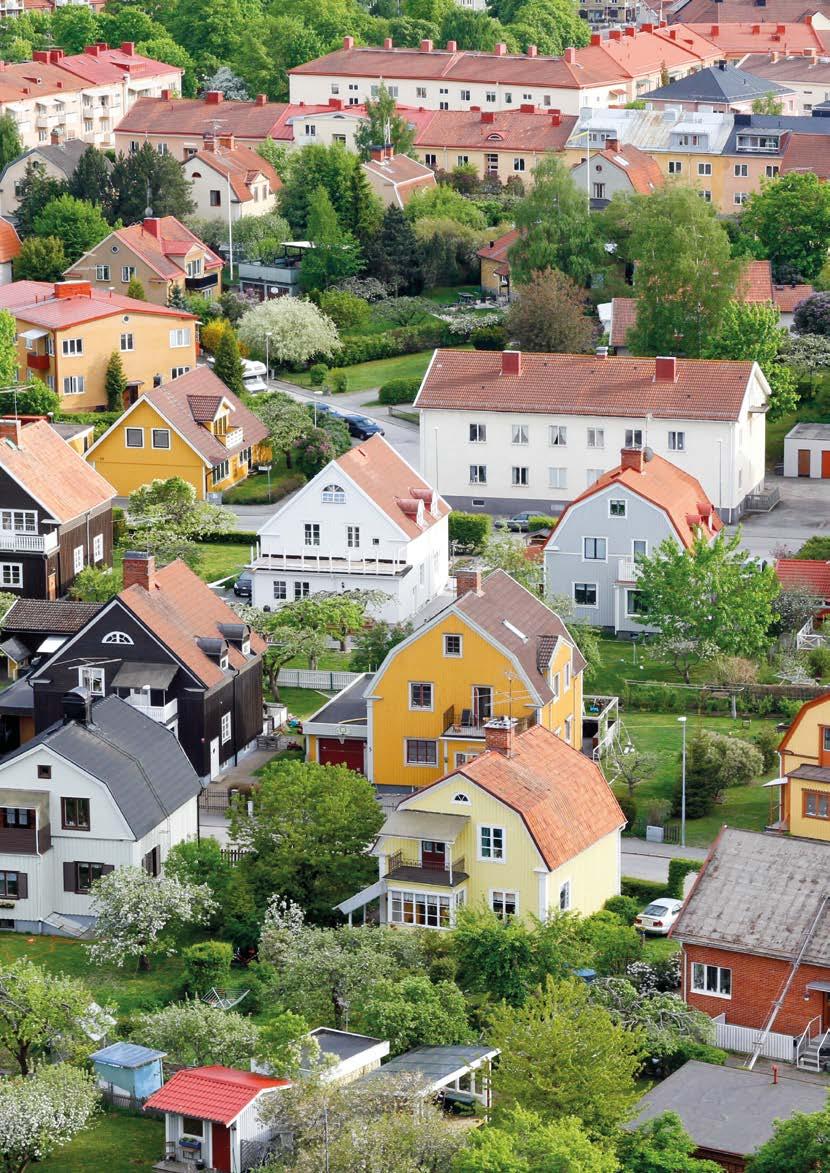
[(158, 240), (497, 250), (249, 121), (807, 152), (642, 170), (241, 165), (736, 38), (100, 65), (623, 317), (376, 468), (499, 130), (755, 283), (54, 473), (404, 174), (787, 297), (37, 302), (805, 572), (9, 242), (211, 1093)]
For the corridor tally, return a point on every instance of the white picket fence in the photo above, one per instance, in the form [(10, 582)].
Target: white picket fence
[(743, 1039), (325, 681)]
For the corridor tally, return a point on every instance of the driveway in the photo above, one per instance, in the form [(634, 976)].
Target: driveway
[(804, 510), (650, 861)]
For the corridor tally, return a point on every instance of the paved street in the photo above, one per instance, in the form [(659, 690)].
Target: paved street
[(650, 861), (804, 510)]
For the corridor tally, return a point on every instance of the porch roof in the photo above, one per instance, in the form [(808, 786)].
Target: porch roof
[(362, 898), (812, 773), (436, 1066), (417, 824)]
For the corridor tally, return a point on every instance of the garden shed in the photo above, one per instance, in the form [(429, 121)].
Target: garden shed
[(807, 451), (126, 1069)]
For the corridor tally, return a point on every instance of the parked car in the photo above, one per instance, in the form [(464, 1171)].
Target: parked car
[(520, 522), (362, 427), (659, 916), (243, 588)]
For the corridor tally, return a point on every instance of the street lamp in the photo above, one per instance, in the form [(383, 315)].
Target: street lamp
[(267, 363), (682, 721)]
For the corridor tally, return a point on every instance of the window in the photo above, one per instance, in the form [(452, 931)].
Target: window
[(740, 197), (633, 437), (617, 507), (518, 164), (705, 195), (711, 979), (567, 676), (741, 170), (102, 272), (421, 752), (504, 903), (557, 436), (11, 574), (333, 495), (127, 342), (352, 537), (72, 346), (420, 91), (151, 863), (565, 896), (771, 170), (596, 437), (594, 549), (180, 337), (19, 521), (478, 433), (633, 602), (419, 908), (86, 874), (598, 191), (491, 164), (73, 385), (478, 474), (312, 533), (127, 273), (12, 816), (162, 148), (520, 476), (193, 1127), (592, 474), (461, 797), (75, 814), (490, 96), (430, 159), (704, 168), (462, 160), (93, 679), (675, 166), (677, 441), (519, 434), (215, 198), (226, 727), (491, 843), (98, 548), (280, 589), (453, 645), (816, 804), (585, 594), (508, 98), (554, 686), (557, 478), (302, 590), (134, 437), (639, 548), (176, 371), (464, 95), (569, 721), (10, 886), (443, 104), (420, 696), (117, 637), (44, 772), (78, 559)]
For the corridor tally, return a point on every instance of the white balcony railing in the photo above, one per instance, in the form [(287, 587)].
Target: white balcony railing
[(627, 570), (34, 543), (160, 713), (232, 438)]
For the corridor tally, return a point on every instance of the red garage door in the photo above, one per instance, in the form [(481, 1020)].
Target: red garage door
[(348, 753), (825, 465)]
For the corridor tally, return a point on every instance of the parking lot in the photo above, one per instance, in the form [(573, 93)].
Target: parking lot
[(804, 510)]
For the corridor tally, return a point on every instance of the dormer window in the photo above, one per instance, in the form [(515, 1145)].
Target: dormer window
[(117, 637), (223, 662), (333, 495)]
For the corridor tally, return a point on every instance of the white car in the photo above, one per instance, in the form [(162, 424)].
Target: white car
[(659, 916)]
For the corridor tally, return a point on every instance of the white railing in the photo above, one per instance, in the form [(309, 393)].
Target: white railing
[(807, 637), (232, 438), (812, 1027), (160, 713), (627, 570), (305, 678), (35, 543), (744, 1039)]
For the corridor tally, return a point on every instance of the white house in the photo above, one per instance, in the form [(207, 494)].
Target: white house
[(512, 431), (368, 521), (107, 788)]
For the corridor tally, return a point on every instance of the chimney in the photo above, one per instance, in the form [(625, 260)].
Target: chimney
[(632, 458), (647, 28), (348, 42), (152, 226), (500, 49), (499, 734), (596, 38), (73, 289), (426, 45), (630, 30), (556, 117), (387, 42), (615, 34), (54, 138), (227, 141), (214, 97), (166, 95), (209, 141), (570, 55), (715, 30), (139, 569), (612, 144), (77, 706), (756, 30), (532, 51), (527, 108), (41, 55), (488, 116), (511, 362), (128, 48), (336, 103), (261, 100), (378, 153), (467, 580), (781, 29), (93, 50), (673, 34), (602, 352), (665, 368), (775, 1073), (452, 46), (10, 430)]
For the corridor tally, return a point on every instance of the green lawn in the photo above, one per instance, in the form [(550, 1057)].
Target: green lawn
[(258, 489), (624, 660), (302, 702), (365, 376), (329, 661), (660, 734), (448, 294), (219, 559), (120, 1142)]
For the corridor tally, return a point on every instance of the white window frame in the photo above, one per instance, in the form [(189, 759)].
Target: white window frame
[(11, 574), (127, 343), (127, 274), (98, 548), (302, 589), (461, 798), (700, 976), (72, 347), (480, 849), (519, 434), (427, 900), (631, 435), (506, 896), (569, 727), (179, 337), (634, 554), (453, 655), (629, 614), (564, 900), (555, 686), (18, 521), (557, 477), (279, 589), (226, 728), (520, 476), (160, 432), (127, 432), (118, 637), (413, 708), (78, 559), (557, 436), (677, 441), (352, 537), (595, 585), (478, 474), (311, 534), (74, 385), (102, 272), (567, 675), (585, 557), (93, 679), (612, 501), (478, 434), (596, 438), (333, 495)]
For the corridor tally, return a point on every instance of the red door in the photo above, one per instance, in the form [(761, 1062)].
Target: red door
[(221, 1139), (432, 855), (804, 462), (825, 464), (331, 752)]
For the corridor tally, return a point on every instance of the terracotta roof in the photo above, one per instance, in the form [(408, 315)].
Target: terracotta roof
[(240, 164), (101, 65), (181, 609), (577, 384), (505, 130), (680, 495), (9, 242), (211, 1093), (404, 174), (623, 317), (54, 616), (736, 38), (158, 240), (807, 152), (376, 468), (804, 572), (36, 302), (642, 170), (704, 11), (534, 627), (497, 250), (755, 283), (250, 121), (54, 473), (28, 80), (787, 297), (791, 68), (562, 796)]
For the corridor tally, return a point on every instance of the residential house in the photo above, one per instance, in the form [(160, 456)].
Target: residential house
[(807, 451), (495, 265), (736, 39), (67, 332), (625, 515), (59, 161), (760, 145), (32, 628), (501, 144), (79, 437), (211, 1118), (501, 432), (280, 277), (338, 120), (9, 251), (171, 647), (55, 512), (102, 787), (528, 826), (367, 521), (755, 937), (160, 253), (803, 789), (722, 89), (193, 427), (394, 178), (228, 178), (617, 169), (811, 575), (807, 152), (806, 75)]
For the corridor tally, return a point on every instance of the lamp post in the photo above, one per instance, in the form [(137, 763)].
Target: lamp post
[(682, 721)]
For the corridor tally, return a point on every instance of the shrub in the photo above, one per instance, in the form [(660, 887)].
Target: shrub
[(689, 1049), (489, 338), (766, 741), (541, 521), (470, 530), (207, 965), (678, 870), (819, 662), (399, 391), (317, 374), (643, 891), (789, 707), (338, 381), (346, 310), (629, 807), (119, 525), (625, 907)]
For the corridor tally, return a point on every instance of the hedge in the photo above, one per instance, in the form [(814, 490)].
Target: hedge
[(678, 870), (470, 530), (401, 340), (399, 391), (645, 890), (236, 535)]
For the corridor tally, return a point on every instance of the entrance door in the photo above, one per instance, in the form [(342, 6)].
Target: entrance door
[(804, 462), (221, 1148), (825, 465), (433, 854), (214, 757)]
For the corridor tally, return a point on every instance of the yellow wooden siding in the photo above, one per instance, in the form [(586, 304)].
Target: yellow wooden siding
[(128, 469), (809, 828)]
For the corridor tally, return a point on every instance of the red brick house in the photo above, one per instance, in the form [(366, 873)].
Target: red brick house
[(756, 929)]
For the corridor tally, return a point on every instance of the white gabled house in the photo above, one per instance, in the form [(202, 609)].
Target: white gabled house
[(367, 521)]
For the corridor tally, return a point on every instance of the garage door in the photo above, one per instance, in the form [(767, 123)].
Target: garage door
[(825, 465), (349, 753)]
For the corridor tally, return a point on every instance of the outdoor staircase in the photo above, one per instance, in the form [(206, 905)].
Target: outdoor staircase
[(810, 1057)]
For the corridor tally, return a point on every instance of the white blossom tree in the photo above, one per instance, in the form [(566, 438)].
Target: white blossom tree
[(195, 1034), (298, 331), (42, 1112), (138, 915)]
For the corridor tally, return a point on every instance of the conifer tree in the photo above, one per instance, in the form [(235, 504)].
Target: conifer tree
[(227, 364)]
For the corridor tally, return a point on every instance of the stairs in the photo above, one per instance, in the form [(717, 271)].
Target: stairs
[(810, 1057)]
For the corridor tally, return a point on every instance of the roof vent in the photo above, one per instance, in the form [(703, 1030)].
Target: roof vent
[(510, 627)]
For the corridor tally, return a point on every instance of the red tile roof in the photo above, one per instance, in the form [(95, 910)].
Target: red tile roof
[(740, 11), (211, 1093), (33, 79), (755, 283), (642, 170), (386, 478), (623, 317), (680, 495), (100, 65), (9, 242), (735, 38), (787, 297), (505, 130), (561, 795), (807, 152), (577, 384), (248, 121), (497, 250), (36, 302), (786, 69), (804, 572), (241, 165), (162, 242), (54, 473), (404, 174)]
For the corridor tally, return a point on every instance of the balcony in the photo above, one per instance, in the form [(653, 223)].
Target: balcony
[(231, 439), (627, 570), (29, 543), (466, 723), (38, 362), (204, 281), (161, 713), (413, 871)]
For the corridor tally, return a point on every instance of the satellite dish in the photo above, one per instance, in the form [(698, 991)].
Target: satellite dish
[(648, 454)]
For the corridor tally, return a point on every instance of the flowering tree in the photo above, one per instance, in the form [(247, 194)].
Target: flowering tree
[(195, 1034), (36, 1008), (41, 1113), (298, 331), (138, 915)]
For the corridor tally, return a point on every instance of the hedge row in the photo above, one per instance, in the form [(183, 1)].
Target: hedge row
[(399, 391), (645, 890), (678, 870), (402, 340), (658, 698)]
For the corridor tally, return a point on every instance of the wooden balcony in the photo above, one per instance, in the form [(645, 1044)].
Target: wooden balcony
[(413, 871), (33, 543), (38, 362)]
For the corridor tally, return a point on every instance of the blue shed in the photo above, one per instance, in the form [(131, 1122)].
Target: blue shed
[(129, 1069)]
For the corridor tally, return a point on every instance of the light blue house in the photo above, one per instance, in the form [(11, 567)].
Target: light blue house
[(127, 1069)]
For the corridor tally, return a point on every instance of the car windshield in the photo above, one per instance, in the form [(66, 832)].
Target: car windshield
[(656, 910)]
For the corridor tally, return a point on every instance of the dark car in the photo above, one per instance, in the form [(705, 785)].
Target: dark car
[(362, 427), (244, 585)]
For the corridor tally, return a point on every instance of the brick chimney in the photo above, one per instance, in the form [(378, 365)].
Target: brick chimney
[(511, 362), (556, 117), (387, 43), (348, 42), (596, 38), (54, 138), (714, 31), (467, 580), (612, 144), (73, 289), (209, 141), (227, 141), (93, 50), (128, 48), (647, 28), (500, 49), (630, 30), (10, 429), (336, 103), (665, 368), (632, 458), (527, 108), (261, 100), (166, 95), (615, 35), (488, 116), (378, 153), (152, 226), (570, 55), (532, 51), (452, 46), (214, 97), (499, 735), (426, 45), (139, 569)]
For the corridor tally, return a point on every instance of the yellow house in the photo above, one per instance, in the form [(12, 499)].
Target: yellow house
[(804, 802), (192, 427), (528, 828)]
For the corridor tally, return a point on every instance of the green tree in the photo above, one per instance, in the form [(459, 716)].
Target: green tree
[(374, 643), (77, 223), (8, 352), (335, 255), (200, 861), (448, 251), (365, 209), (750, 330), (474, 30), (312, 452), (36, 190), (413, 1012), (42, 1112), (41, 258), (710, 598), (556, 227), (501, 553), (115, 382), (685, 276), (295, 329), (163, 48), (96, 584), (444, 203), (383, 126), (801, 201), (666, 1022), (662, 1145), (800, 1144), (285, 418), (74, 27), (395, 257), (136, 290), (310, 168), (338, 615), (10, 145), (768, 104), (816, 548), (194, 1034), (166, 519), (496, 957), (36, 1007), (227, 364), (563, 1056), (523, 1142), (35, 398), (549, 314), (551, 25), (320, 859), (717, 762), (90, 181), (148, 179)]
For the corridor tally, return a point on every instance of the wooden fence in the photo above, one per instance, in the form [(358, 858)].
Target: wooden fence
[(325, 681)]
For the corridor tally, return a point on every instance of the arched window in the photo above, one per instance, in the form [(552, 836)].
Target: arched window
[(117, 637), (461, 797), (334, 495)]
